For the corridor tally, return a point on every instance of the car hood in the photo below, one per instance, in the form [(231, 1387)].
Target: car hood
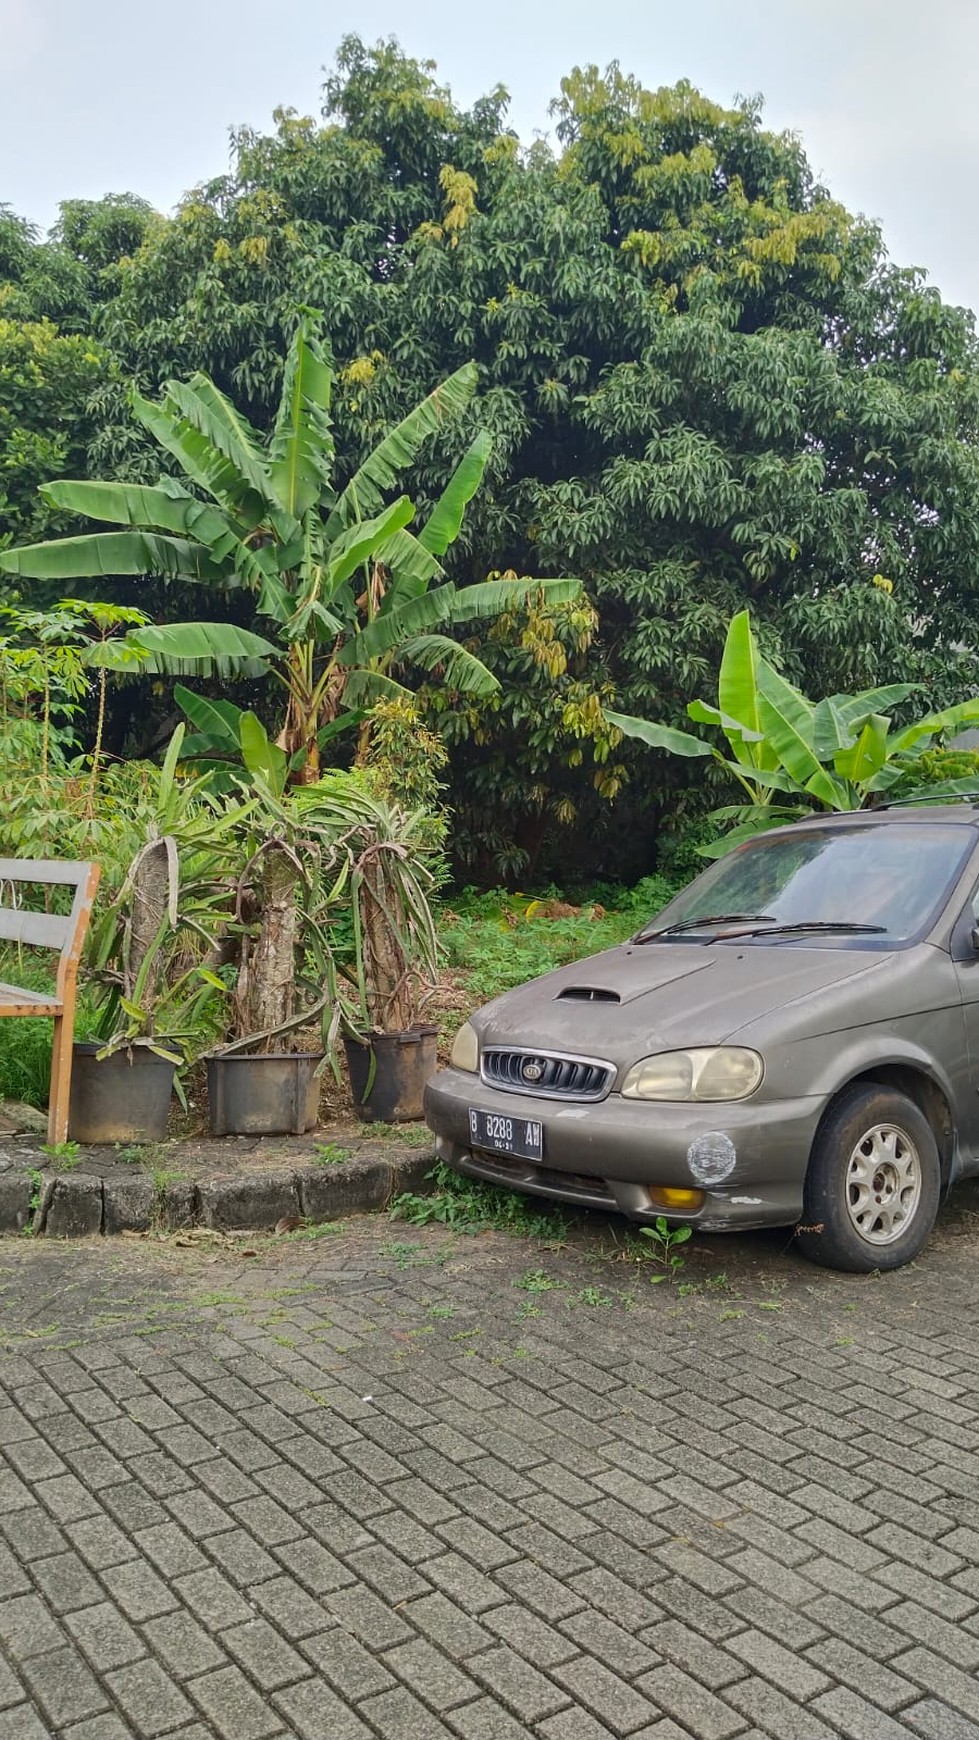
[(648, 997)]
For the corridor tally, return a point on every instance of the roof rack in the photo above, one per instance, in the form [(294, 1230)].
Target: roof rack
[(935, 797)]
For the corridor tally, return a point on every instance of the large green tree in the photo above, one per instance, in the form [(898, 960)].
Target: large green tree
[(706, 385)]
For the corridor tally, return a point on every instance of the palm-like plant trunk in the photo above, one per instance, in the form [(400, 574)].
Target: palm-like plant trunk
[(390, 976), (266, 991)]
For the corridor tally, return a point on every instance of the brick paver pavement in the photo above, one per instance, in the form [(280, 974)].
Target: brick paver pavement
[(408, 1485)]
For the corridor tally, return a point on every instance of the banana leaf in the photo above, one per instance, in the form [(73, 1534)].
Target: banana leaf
[(855, 709), (365, 687), (346, 722), (444, 604), (301, 452), (442, 527), (787, 720), (219, 722), (868, 754), (937, 793), (702, 713), (950, 719), (411, 566), (135, 504), (831, 733), (264, 760), (201, 404), (204, 649), (379, 473), (492, 597), (200, 459), (364, 541), (738, 696), (659, 736), (105, 554), (460, 669)]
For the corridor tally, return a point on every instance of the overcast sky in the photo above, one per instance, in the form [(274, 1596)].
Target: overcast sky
[(104, 96)]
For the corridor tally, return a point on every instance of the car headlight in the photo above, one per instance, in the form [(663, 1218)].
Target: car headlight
[(709, 1072), (465, 1049)]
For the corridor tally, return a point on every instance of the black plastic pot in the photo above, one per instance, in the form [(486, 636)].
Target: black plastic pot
[(389, 1072), (264, 1096), (121, 1098)]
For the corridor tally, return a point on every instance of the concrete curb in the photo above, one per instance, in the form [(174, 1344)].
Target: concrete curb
[(78, 1204)]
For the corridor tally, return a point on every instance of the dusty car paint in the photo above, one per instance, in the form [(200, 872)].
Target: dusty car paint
[(820, 1014)]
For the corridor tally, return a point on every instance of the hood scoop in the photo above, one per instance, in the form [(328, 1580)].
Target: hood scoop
[(587, 994)]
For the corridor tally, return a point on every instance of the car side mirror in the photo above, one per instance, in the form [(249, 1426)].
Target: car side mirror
[(974, 935)]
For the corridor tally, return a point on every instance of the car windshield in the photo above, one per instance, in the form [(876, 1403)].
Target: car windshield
[(884, 882)]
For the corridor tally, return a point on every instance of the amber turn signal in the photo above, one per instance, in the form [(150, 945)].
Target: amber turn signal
[(661, 1196)]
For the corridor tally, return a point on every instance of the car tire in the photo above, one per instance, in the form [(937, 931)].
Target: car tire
[(873, 1184)]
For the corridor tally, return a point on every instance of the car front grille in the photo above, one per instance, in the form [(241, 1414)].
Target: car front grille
[(541, 1072)]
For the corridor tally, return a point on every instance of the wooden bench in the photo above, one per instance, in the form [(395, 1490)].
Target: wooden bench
[(67, 935)]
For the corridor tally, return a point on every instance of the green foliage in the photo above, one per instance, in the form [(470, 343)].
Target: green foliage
[(703, 379), (705, 383), (536, 1281), (402, 762), (47, 382), (530, 758), (663, 1239), (379, 854), (467, 1205), (342, 584), (789, 754), (63, 1156), (330, 1154), (150, 950), (947, 769), (34, 1202)]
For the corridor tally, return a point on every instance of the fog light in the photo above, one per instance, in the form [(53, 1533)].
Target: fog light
[(662, 1197)]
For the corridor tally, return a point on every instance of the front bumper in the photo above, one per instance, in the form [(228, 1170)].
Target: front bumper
[(609, 1154)]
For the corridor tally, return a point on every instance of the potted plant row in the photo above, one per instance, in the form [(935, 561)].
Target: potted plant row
[(245, 921)]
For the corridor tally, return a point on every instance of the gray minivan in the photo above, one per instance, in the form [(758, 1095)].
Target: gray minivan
[(793, 1040)]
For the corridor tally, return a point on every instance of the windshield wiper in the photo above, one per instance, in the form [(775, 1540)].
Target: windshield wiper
[(821, 924), (708, 922)]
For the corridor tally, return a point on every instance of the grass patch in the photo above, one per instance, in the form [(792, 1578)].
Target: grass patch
[(504, 939), (25, 1045), (330, 1154), (63, 1156), (467, 1205), (412, 1135)]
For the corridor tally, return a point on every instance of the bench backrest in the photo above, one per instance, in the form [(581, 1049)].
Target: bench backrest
[(46, 929)]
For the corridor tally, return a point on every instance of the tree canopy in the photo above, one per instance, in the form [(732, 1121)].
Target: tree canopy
[(706, 386)]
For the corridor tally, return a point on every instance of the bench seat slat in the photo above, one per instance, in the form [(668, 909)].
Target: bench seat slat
[(14, 1000)]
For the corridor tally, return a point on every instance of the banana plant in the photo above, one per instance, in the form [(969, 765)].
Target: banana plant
[(791, 755), (348, 593)]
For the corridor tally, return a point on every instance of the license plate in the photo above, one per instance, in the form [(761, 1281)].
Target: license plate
[(506, 1135)]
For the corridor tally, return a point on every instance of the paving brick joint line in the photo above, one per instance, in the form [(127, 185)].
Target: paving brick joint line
[(392, 1484)]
